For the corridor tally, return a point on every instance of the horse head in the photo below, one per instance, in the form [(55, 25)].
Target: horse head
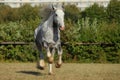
[(58, 16)]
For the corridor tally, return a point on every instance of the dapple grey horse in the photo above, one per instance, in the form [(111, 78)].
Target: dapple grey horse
[(47, 36)]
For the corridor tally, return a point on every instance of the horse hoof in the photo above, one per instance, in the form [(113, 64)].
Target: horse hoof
[(41, 65), (41, 68), (50, 73), (50, 59), (57, 65)]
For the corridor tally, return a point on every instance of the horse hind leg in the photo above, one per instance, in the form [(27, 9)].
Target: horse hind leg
[(59, 63), (40, 62)]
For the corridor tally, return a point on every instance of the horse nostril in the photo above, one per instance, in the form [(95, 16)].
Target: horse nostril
[(62, 28)]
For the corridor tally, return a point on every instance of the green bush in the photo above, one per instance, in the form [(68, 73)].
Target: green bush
[(18, 31), (87, 32), (19, 24), (23, 53)]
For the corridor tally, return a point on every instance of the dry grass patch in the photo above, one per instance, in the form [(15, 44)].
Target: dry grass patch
[(71, 71)]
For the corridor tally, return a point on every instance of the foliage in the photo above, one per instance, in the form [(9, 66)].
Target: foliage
[(18, 31), (88, 32), (23, 53), (113, 11), (5, 13), (95, 11), (72, 12), (26, 13), (32, 12), (18, 24)]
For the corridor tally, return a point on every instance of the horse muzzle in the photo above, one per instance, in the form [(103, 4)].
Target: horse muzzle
[(62, 27)]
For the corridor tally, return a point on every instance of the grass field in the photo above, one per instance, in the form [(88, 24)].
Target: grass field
[(68, 71)]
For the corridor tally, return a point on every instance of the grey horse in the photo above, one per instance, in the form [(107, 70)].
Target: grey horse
[(47, 35)]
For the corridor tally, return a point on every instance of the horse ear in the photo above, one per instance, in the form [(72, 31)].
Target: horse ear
[(53, 7), (63, 6)]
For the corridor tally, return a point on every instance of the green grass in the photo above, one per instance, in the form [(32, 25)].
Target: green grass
[(68, 71)]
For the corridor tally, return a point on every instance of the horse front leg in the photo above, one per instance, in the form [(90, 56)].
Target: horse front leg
[(50, 55), (59, 63)]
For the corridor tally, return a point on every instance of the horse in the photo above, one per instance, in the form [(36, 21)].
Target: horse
[(47, 36)]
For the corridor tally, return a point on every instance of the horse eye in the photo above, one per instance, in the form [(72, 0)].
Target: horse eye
[(56, 15)]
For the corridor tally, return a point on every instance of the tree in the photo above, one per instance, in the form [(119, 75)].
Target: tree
[(113, 11), (72, 12), (27, 12), (4, 13), (94, 11)]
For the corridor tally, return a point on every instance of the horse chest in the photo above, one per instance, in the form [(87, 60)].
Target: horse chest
[(51, 36)]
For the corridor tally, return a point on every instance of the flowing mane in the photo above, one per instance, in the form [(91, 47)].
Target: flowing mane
[(46, 11)]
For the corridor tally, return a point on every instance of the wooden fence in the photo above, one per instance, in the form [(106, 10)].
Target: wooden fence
[(15, 43), (63, 43)]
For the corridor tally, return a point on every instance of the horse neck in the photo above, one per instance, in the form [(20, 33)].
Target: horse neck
[(53, 27), (50, 21)]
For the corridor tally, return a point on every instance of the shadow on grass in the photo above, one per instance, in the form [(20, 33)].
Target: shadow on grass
[(31, 73)]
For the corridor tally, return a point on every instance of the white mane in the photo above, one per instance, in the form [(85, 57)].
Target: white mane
[(46, 11)]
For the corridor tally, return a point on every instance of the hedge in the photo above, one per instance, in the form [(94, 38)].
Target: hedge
[(17, 25)]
